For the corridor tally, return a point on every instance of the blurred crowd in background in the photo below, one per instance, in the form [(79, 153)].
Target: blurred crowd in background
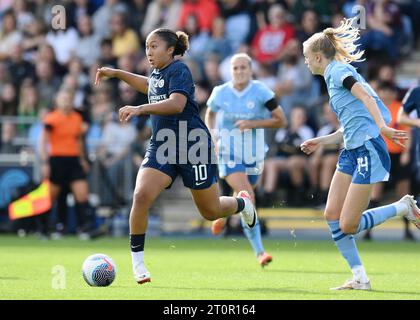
[(37, 60)]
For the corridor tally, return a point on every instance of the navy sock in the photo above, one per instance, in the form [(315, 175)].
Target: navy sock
[(137, 242), (241, 204)]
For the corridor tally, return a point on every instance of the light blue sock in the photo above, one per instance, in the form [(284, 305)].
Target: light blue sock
[(254, 237), (375, 216), (345, 244)]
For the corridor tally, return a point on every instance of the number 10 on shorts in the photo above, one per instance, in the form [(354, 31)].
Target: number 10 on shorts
[(200, 172)]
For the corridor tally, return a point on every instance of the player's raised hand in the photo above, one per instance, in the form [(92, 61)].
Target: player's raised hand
[(103, 72), (397, 136), (127, 112), (310, 145)]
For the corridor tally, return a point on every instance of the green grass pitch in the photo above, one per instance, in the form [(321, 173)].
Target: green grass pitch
[(206, 269)]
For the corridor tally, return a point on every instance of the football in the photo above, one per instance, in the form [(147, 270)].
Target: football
[(99, 270)]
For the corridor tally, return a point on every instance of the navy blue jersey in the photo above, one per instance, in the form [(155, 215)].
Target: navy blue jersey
[(411, 101), (181, 143), (174, 78)]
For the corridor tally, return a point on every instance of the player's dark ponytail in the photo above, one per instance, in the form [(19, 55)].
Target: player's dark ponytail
[(182, 44), (178, 40)]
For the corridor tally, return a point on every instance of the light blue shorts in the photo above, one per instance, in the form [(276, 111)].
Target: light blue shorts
[(367, 164), (253, 171)]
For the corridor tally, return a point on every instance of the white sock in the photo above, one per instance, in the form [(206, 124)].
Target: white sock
[(402, 208), (359, 274), (137, 258)]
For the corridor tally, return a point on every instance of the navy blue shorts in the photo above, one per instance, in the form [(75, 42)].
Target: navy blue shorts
[(195, 176), (367, 164)]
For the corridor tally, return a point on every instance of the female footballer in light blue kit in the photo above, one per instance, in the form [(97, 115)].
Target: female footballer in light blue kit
[(239, 110), (364, 160)]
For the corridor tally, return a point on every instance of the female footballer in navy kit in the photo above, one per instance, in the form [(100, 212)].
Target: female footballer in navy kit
[(174, 114)]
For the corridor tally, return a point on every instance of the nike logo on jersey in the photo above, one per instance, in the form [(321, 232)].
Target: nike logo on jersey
[(199, 183)]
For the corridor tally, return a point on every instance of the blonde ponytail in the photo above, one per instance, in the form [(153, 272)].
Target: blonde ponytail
[(338, 43)]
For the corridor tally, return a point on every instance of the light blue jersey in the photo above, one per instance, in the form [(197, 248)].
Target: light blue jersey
[(354, 117), (236, 147)]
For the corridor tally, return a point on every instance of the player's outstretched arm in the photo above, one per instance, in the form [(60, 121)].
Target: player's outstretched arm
[(136, 81), (404, 119), (173, 105), (313, 144)]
